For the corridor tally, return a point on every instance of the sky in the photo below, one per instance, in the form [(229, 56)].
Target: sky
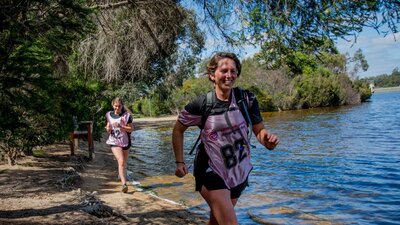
[(382, 53)]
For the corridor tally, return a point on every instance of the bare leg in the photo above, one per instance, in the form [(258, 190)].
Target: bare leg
[(121, 157), (221, 205), (213, 220), (125, 154)]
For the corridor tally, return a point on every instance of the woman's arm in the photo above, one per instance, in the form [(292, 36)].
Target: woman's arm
[(127, 128), (270, 141), (108, 127), (177, 145)]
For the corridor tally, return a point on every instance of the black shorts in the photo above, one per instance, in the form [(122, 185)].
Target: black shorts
[(123, 148), (213, 181)]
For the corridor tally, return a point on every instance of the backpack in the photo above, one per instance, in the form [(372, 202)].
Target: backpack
[(242, 100)]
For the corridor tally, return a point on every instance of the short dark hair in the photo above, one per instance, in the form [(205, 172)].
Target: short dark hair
[(213, 63)]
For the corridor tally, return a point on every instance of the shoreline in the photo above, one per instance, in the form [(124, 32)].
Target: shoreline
[(155, 119), (153, 122), (387, 89)]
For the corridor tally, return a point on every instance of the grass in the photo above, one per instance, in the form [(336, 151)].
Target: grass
[(39, 153)]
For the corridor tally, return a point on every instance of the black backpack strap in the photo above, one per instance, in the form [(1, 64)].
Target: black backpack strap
[(244, 105), (195, 144), (242, 99), (210, 100)]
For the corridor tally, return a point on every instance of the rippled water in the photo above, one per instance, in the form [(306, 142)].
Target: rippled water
[(333, 166)]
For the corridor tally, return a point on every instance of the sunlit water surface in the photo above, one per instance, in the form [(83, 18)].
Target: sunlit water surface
[(333, 166)]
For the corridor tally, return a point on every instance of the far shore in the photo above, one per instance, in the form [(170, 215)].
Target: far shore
[(387, 89), (155, 119), (153, 122)]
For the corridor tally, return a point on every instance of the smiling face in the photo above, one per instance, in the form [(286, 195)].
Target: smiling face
[(225, 75), (117, 106)]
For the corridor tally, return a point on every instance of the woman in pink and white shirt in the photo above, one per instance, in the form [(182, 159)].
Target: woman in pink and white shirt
[(119, 127)]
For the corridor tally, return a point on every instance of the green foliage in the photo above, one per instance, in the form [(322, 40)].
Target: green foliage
[(148, 106), (285, 101), (143, 51), (152, 104), (359, 57), (33, 35), (357, 62), (273, 88), (265, 100), (151, 108), (27, 113), (87, 99), (319, 90), (136, 107), (364, 90), (300, 63), (335, 63), (190, 90)]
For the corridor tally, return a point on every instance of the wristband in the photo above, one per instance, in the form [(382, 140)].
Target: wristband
[(179, 162)]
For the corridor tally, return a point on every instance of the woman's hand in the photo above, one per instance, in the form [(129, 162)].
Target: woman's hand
[(108, 127), (126, 128), (181, 169), (270, 141)]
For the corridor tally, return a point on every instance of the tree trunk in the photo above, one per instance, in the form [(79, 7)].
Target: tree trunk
[(12, 154)]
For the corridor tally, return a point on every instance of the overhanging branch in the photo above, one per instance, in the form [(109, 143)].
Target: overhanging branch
[(111, 5)]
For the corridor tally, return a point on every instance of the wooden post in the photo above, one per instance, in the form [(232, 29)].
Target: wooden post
[(89, 127), (90, 139), (88, 133), (72, 143)]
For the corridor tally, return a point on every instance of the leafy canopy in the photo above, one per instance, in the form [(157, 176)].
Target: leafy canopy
[(283, 27)]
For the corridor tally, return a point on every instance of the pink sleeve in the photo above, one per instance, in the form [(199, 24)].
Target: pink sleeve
[(188, 119)]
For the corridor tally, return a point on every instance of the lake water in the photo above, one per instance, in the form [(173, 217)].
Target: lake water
[(333, 166)]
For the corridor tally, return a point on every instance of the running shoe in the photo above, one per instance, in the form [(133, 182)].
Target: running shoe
[(124, 188)]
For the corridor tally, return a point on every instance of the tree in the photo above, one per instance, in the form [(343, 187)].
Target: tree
[(281, 27), (36, 38), (385, 80), (140, 41), (358, 62)]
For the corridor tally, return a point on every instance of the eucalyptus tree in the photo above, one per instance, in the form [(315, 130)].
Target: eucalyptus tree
[(358, 62)]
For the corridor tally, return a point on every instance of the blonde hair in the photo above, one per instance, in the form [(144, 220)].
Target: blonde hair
[(118, 99)]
